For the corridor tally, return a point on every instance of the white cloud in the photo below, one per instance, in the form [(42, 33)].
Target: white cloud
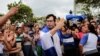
[(43, 7)]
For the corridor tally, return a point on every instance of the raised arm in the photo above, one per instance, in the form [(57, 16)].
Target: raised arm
[(58, 26), (11, 12)]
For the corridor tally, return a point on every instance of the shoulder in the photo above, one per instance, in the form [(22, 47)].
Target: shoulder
[(92, 35), (44, 34)]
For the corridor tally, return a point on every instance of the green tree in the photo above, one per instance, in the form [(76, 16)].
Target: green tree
[(90, 3), (87, 4), (24, 14)]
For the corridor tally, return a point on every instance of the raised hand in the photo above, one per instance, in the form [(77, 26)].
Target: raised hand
[(13, 11), (60, 24)]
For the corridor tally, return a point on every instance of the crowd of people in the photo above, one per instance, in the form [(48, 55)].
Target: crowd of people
[(56, 38)]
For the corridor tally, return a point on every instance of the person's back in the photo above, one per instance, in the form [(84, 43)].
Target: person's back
[(88, 43), (91, 43)]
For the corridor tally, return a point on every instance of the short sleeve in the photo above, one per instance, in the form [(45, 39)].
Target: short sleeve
[(84, 40)]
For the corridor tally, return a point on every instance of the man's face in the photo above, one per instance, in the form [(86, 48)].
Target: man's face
[(26, 29), (19, 30), (50, 22)]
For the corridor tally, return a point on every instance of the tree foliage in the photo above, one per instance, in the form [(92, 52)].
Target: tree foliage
[(90, 3), (24, 14), (87, 5)]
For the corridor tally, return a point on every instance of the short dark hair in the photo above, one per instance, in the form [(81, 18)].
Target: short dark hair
[(51, 15), (26, 25), (18, 28)]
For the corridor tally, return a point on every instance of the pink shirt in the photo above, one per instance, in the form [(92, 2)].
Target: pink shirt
[(80, 34)]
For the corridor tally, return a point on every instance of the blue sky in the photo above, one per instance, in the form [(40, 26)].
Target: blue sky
[(43, 7)]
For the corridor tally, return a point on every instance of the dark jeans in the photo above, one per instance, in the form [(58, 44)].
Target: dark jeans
[(94, 54), (27, 50), (69, 51)]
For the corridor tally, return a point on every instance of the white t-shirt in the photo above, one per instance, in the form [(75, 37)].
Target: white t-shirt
[(89, 42)]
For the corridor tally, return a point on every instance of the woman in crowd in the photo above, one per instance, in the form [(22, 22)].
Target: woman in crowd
[(88, 44), (68, 42), (36, 40)]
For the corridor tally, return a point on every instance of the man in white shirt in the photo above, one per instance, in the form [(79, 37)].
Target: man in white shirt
[(50, 40)]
